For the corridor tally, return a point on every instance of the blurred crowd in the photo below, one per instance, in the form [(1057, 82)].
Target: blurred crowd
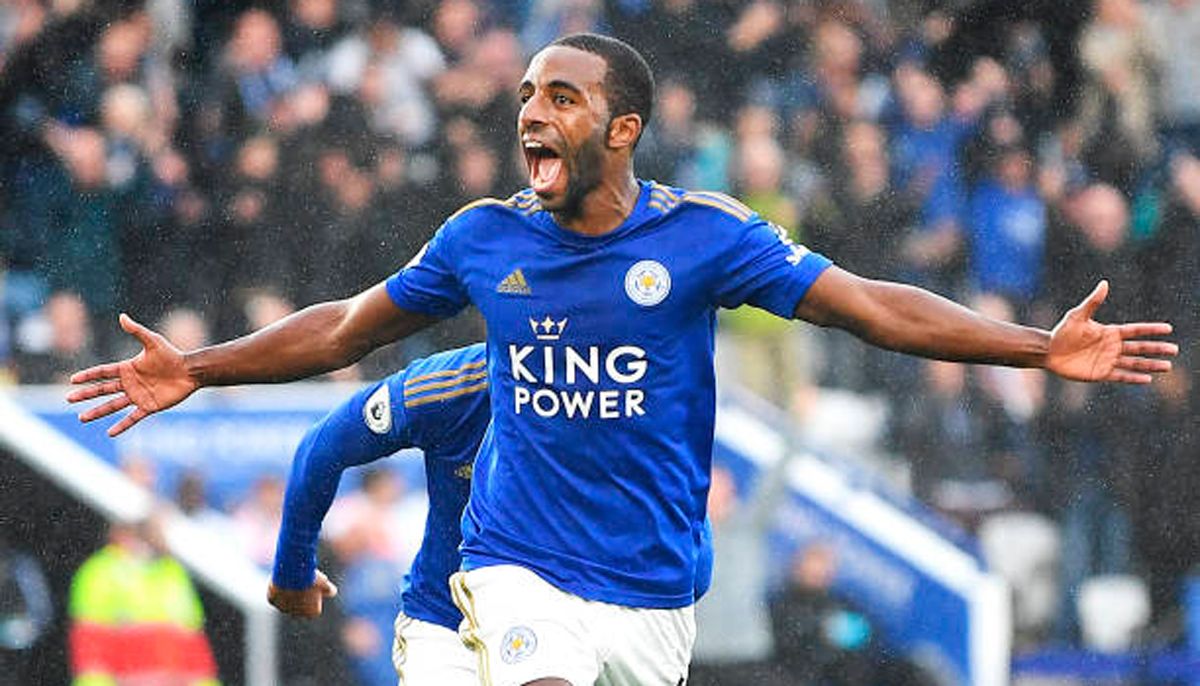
[(211, 166)]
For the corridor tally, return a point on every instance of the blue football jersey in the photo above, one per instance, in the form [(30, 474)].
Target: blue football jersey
[(438, 404), (595, 468)]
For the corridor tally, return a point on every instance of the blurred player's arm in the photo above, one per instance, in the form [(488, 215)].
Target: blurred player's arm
[(317, 339), (339, 441), (912, 320)]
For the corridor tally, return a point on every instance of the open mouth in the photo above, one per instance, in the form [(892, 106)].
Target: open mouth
[(545, 166)]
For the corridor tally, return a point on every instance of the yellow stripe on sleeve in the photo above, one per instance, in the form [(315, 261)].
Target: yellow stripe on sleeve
[(434, 385), (426, 399), (445, 372), (717, 205), (472, 205)]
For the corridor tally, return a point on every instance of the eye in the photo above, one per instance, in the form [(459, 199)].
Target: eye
[(523, 97), (561, 99)]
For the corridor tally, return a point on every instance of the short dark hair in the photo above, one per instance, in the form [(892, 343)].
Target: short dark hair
[(628, 82)]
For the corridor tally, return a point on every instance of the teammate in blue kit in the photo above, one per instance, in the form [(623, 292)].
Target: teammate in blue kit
[(440, 405), (600, 293)]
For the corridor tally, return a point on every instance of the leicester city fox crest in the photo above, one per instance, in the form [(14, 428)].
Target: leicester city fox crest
[(647, 283), (519, 643)]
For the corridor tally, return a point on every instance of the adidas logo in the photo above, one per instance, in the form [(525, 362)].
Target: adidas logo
[(514, 284)]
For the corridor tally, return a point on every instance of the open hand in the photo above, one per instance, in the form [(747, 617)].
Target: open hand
[(1083, 349), (305, 603), (153, 380)]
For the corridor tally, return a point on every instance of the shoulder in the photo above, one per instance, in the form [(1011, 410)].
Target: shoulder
[(709, 207), (445, 398), (524, 203)]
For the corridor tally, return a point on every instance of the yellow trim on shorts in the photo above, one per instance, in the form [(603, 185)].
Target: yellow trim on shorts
[(464, 600), (400, 645)]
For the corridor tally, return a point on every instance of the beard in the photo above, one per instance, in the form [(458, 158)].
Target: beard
[(585, 171)]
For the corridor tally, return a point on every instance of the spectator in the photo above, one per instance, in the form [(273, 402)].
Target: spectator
[(192, 499), (390, 68), (256, 520), (26, 610), (1166, 532), (382, 520), (185, 328), (1016, 401), (738, 595), (311, 34), (141, 470), (668, 150), (479, 84), (135, 616), (864, 216), (263, 308), (949, 433), (53, 344), (84, 254), (251, 82), (1119, 108), (825, 640), (924, 166), (20, 22), (862, 219), (1008, 232), (1170, 256), (1092, 243), (1087, 441), (370, 601), (764, 352), (1172, 28), (255, 220)]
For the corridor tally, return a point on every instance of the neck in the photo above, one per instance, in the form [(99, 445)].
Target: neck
[(604, 208)]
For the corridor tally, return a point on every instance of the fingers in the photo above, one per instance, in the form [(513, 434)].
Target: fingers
[(1095, 299), (101, 372), (1143, 364), (1122, 376), (1150, 348), (300, 604), (94, 391), (1144, 329), (145, 336), (328, 588), (115, 405), (129, 420)]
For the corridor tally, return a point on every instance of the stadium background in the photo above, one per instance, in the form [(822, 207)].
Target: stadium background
[(210, 166)]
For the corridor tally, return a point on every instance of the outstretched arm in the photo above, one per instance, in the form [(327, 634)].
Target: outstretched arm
[(317, 339), (912, 320)]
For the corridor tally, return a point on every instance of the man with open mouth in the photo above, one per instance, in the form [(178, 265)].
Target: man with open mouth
[(600, 293)]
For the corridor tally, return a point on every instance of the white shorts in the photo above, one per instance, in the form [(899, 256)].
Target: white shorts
[(525, 629), (426, 654)]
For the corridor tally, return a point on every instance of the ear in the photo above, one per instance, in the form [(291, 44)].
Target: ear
[(623, 131)]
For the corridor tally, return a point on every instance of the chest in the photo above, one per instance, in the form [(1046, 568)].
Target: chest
[(640, 287)]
